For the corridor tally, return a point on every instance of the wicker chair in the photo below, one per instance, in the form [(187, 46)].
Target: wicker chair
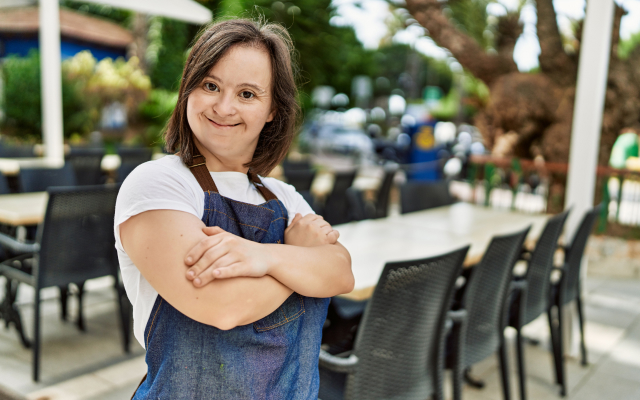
[(336, 208), (399, 350), (417, 196), (86, 163), (484, 299), (39, 179), (360, 209), (74, 243), (566, 290), (532, 297)]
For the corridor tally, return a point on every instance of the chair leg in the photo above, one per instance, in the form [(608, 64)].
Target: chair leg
[(64, 295), (560, 342), (80, 321), (124, 315), (583, 347), (10, 313), (36, 337), (471, 381), (557, 360), (504, 371), (521, 371)]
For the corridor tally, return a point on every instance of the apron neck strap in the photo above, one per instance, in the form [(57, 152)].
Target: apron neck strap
[(198, 167)]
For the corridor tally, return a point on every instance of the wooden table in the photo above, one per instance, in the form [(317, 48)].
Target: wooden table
[(23, 208), (373, 243)]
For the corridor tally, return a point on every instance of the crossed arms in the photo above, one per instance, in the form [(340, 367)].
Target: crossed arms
[(220, 279)]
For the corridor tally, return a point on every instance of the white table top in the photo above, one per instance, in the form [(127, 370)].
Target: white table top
[(372, 243), (23, 208)]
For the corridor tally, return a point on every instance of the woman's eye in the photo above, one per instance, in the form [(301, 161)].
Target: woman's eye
[(246, 95), (212, 87)]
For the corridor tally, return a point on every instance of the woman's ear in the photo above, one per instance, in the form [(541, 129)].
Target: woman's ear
[(272, 114)]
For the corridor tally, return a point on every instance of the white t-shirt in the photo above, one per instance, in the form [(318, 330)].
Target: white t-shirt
[(167, 184)]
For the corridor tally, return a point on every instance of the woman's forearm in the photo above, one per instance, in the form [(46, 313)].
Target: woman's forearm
[(320, 271), (156, 241)]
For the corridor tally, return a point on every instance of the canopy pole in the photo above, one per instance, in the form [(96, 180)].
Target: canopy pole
[(589, 106), (51, 81)]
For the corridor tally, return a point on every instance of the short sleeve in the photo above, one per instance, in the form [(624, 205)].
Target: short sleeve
[(154, 186)]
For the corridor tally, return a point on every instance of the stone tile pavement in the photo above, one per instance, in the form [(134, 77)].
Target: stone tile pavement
[(93, 366)]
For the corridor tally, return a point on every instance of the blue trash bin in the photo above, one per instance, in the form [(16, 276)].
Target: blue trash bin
[(424, 153)]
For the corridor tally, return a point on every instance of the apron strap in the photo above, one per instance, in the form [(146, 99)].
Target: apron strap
[(198, 167)]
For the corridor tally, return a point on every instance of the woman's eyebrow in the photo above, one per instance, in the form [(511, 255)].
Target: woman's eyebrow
[(251, 85)]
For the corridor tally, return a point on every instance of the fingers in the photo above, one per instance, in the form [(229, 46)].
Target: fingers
[(211, 272), (333, 236), (232, 271), (212, 230)]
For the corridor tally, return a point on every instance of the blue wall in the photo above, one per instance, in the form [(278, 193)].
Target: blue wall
[(21, 47)]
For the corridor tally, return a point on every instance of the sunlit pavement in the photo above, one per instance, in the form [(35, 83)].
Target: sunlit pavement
[(92, 365)]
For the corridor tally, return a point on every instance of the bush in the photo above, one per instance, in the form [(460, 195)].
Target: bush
[(156, 110)]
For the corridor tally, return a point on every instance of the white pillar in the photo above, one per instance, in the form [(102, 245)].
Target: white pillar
[(589, 105), (51, 81)]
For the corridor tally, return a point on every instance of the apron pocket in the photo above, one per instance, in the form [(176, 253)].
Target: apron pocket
[(290, 310)]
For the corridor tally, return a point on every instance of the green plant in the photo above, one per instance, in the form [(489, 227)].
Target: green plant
[(156, 111)]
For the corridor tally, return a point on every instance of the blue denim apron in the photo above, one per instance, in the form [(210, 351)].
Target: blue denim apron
[(273, 358)]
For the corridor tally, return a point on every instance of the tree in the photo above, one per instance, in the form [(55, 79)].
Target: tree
[(537, 106)]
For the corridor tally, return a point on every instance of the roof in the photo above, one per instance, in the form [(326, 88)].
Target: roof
[(72, 25)]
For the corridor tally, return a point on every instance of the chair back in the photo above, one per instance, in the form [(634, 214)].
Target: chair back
[(573, 255), (4, 185), (416, 196), (539, 268), (290, 165), (336, 209), (76, 238), (301, 179), (130, 158), (39, 179), (485, 297), (86, 163), (400, 342), (382, 200)]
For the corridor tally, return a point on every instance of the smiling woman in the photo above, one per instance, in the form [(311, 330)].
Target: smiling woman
[(229, 292)]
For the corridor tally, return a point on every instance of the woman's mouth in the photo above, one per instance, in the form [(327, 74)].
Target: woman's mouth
[(219, 125)]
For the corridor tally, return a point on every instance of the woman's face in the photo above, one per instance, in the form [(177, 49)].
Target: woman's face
[(230, 107)]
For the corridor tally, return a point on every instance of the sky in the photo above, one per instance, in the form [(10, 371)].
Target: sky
[(368, 21)]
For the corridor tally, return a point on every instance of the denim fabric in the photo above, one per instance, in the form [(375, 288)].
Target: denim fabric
[(273, 358)]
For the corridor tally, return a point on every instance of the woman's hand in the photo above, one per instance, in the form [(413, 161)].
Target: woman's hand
[(310, 230), (224, 255)]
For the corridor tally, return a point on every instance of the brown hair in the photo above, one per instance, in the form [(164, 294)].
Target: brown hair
[(211, 46)]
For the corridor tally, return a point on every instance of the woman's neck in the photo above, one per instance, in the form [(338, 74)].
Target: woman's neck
[(219, 164)]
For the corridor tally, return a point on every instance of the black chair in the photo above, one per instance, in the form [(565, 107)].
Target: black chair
[(86, 163), (417, 196), (336, 208), (39, 179), (299, 165), (532, 298), (566, 290), (361, 209), (4, 185), (484, 299), (74, 243), (301, 179), (16, 151), (130, 158), (399, 350)]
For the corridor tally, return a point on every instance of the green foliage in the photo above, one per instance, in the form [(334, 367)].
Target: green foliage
[(470, 16), (168, 43), (448, 106), (392, 61), (628, 45), (22, 100), (156, 111), (87, 86)]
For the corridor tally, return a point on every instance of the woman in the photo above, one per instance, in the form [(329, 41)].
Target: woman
[(229, 292)]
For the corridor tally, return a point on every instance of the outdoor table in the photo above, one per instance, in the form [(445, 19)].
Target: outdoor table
[(18, 209), (373, 243)]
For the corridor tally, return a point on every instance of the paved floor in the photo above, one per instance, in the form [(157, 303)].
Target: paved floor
[(92, 365)]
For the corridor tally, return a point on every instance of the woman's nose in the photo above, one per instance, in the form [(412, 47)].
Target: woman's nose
[(224, 106)]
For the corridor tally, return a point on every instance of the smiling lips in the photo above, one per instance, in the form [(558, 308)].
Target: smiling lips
[(221, 125)]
